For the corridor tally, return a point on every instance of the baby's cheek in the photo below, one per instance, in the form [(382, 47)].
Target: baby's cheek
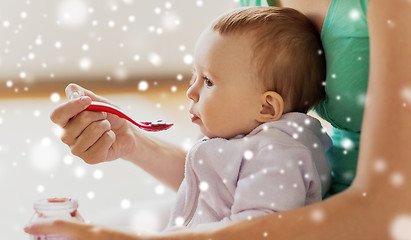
[(219, 125)]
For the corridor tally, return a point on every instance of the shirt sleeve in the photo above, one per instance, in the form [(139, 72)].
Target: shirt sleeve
[(274, 179)]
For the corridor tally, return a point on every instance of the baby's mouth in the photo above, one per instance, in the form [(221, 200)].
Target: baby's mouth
[(193, 117)]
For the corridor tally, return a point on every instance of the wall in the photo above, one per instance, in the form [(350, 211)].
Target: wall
[(100, 40)]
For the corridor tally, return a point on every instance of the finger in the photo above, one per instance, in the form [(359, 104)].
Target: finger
[(90, 136), (102, 149), (70, 229), (76, 126), (74, 91), (63, 113)]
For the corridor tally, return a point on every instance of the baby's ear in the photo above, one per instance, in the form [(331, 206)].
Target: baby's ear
[(272, 107)]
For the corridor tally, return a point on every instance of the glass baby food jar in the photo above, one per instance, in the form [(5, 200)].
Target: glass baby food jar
[(55, 208)]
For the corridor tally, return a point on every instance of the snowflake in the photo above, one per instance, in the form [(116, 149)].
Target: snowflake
[(199, 3), (159, 31), (58, 44), (248, 154), (380, 165), (317, 215), (55, 97), (188, 59), (72, 13), (90, 195), (203, 186), (40, 188), (347, 144), (390, 23), (155, 59), (170, 21), (22, 75), (31, 56), (98, 174), (36, 113), (85, 47), (125, 203), (68, 160), (143, 85), (6, 24), (131, 18), (44, 162), (354, 14), (157, 10), (167, 5), (406, 94), (85, 64), (179, 221), (400, 227), (9, 83), (397, 179), (111, 24), (160, 189), (128, 1), (79, 172)]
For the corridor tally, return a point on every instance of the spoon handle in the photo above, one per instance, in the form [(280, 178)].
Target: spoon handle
[(104, 107), (147, 126)]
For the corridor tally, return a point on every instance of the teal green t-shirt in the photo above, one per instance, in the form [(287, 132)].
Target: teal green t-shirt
[(346, 45)]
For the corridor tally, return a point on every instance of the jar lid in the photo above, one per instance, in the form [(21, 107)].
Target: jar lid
[(56, 204)]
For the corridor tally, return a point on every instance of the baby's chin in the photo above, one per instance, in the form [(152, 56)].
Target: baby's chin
[(218, 134)]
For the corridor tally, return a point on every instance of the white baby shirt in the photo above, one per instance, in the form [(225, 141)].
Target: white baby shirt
[(278, 166)]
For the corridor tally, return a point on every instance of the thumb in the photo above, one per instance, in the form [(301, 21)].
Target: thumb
[(74, 91)]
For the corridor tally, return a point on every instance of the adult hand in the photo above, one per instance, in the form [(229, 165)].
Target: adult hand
[(70, 229), (93, 136), (82, 231)]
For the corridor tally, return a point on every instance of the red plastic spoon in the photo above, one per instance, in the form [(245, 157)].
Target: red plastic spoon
[(148, 126)]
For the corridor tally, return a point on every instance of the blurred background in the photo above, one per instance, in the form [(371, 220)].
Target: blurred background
[(137, 53)]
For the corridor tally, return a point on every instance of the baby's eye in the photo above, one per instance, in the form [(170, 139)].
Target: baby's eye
[(208, 82)]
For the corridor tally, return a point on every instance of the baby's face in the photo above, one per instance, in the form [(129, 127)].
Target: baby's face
[(225, 96)]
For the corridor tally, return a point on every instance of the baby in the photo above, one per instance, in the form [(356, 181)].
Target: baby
[(257, 71)]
